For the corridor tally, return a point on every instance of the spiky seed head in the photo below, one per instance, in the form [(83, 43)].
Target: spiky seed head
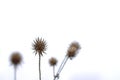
[(75, 45), (16, 58), (52, 61), (39, 46), (73, 49), (71, 52)]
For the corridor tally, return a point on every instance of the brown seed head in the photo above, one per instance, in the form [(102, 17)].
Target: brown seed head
[(16, 58), (73, 49), (52, 61), (39, 46), (75, 45)]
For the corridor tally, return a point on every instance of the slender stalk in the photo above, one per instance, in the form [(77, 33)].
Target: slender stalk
[(39, 67), (14, 72), (53, 72), (62, 64), (61, 67)]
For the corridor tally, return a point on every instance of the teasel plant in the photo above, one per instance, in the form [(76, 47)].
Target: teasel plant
[(72, 51), (53, 62), (39, 46), (16, 60)]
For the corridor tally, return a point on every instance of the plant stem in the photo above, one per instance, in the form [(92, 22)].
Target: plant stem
[(61, 67), (53, 72), (39, 67), (14, 72), (61, 64)]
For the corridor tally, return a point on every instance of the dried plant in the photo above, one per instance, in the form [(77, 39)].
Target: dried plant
[(71, 52), (39, 47), (73, 49), (53, 61), (15, 60)]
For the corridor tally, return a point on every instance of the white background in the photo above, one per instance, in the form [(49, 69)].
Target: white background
[(93, 23)]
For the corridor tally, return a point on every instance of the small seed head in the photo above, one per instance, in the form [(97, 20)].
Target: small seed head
[(16, 58), (52, 61)]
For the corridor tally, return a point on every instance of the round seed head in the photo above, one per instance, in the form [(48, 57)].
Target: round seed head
[(16, 58), (75, 45), (52, 61), (73, 49), (39, 46)]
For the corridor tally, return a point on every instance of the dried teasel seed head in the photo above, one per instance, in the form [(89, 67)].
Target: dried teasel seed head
[(16, 58), (75, 45), (73, 49), (39, 46), (52, 61)]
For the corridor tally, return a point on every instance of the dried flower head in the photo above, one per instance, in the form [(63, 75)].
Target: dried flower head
[(39, 46), (73, 49), (52, 61), (16, 58)]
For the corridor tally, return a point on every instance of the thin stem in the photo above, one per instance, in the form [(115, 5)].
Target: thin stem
[(61, 67), (62, 64), (14, 72), (53, 72), (39, 67)]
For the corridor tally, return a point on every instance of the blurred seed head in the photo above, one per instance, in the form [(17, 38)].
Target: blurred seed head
[(16, 58), (39, 46), (73, 49), (53, 61)]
